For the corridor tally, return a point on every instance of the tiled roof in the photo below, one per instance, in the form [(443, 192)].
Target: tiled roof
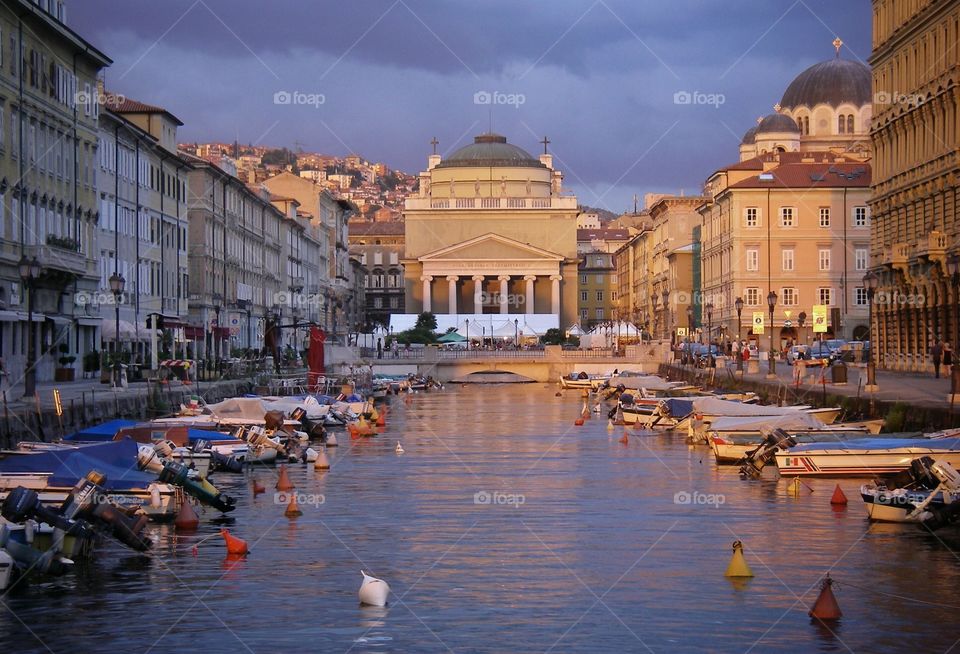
[(811, 175), (121, 104), (370, 228)]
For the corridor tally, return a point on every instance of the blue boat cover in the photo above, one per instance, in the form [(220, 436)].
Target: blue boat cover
[(679, 408), (209, 435), (115, 459), (933, 444), (105, 431)]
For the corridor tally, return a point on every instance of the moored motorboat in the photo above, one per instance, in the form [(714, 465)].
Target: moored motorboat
[(866, 456)]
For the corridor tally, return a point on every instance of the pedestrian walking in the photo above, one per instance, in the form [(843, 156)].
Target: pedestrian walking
[(379, 348), (947, 356), (936, 353)]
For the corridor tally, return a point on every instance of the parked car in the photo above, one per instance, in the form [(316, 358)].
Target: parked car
[(796, 352)]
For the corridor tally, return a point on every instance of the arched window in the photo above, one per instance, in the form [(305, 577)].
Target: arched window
[(841, 124), (850, 124)]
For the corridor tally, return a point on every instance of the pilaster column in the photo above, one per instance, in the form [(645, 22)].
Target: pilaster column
[(555, 294), (504, 290), (478, 293), (427, 300), (529, 302), (452, 293)]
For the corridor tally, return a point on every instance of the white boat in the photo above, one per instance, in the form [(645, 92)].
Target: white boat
[(865, 457), (707, 410), (936, 485), (196, 461)]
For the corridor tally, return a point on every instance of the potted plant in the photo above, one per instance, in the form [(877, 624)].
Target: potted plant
[(65, 372), (91, 363)]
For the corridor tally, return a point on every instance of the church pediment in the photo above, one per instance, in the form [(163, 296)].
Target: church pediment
[(491, 247)]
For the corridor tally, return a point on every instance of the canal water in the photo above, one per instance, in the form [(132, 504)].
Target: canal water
[(505, 528)]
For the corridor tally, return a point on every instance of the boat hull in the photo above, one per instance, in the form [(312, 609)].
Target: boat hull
[(857, 463)]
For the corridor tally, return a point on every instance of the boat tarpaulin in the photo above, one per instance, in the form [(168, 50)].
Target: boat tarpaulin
[(105, 431), (678, 408), (209, 435), (793, 420), (648, 382), (249, 408), (716, 407), (116, 459), (914, 445)]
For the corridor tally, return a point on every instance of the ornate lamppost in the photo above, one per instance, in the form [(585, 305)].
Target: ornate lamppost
[(29, 270), (738, 303), (953, 268), (117, 284), (771, 364), (516, 332), (666, 314), (689, 329), (709, 308), (467, 321), (871, 282)]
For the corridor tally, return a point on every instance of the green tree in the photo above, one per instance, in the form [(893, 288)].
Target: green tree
[(553, 336), (426, 321)]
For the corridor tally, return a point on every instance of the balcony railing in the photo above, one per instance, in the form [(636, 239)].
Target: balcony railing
[(57, 258), (553, 202)]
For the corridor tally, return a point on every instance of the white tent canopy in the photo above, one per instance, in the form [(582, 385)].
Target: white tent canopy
[(128, 331), (618, 328)]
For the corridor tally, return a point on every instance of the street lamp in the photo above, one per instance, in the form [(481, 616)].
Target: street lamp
[(709, 308), (467, 321), (29, 270), (953, 268), (117, 283), (801, 318), (689, 328), (871, 282), (516, 332), (771, 364), (738, 303), (666, 314)]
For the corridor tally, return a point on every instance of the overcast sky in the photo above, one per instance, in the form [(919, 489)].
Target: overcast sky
[(382, 77)]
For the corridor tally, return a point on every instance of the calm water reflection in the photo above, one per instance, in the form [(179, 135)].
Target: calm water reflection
[(504, 528)]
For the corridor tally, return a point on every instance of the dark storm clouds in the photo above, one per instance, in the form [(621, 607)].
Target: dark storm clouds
[(382, 77)]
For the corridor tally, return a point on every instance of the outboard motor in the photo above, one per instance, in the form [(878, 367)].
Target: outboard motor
[(25, 555), (88, 501), (949, 485), (24, 504), (753, 463), (218, 460), (180, 475)]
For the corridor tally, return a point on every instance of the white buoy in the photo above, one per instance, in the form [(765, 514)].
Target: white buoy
[(321, 462), (399, 448), (332, 440), (596, 408), (310, 455), (373, 591)]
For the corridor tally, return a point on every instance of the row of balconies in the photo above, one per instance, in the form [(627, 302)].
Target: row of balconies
[(555, 202), (933, 248)]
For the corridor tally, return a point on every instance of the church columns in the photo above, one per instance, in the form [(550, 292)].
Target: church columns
[(529, 300), (555, 294), (427, 300), (478, 293), (452, 293), (504, 293)]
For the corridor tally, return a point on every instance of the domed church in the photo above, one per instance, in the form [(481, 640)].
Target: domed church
[(491, 238), (826, 108)]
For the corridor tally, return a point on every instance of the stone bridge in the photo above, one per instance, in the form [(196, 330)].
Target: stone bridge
[(542, 365)]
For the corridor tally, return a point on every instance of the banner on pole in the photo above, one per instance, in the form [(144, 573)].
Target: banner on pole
[(819, 318), (758, 322)]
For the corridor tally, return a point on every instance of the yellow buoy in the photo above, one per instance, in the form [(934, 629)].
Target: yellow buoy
[(794, 487), (609, 425), (738, 564)]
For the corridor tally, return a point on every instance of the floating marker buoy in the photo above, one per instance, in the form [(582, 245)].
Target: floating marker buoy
[(578, 422), (407, 399), (322, 462), (258, 488), (332, 440), (235, 546), (373, 591), (738, 564), (794, 487), (558, 394), (293, 511), (399, 448), (826, 607), (283, 482), (838, 499), (609, 425), (186, 518), (585, 393), (381, 421), (624, 439)]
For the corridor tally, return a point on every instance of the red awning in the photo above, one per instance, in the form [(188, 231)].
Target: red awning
[(192, 333)]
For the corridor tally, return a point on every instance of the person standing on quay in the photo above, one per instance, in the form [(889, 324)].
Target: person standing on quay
[(936, 353), (947, 356), (379, 348)]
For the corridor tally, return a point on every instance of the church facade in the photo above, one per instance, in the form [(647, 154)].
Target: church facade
[(491, 238)]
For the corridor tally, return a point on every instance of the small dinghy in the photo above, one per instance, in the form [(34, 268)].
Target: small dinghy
[(373, 591)]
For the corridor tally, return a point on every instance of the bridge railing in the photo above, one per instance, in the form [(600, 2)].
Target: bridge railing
[(490, 354), (589, 354)]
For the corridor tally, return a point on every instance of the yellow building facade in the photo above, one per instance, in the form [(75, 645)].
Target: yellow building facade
[(491, 233), (916, 137)]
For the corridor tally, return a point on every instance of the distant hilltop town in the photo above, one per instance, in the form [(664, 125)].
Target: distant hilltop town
[(377, 190)]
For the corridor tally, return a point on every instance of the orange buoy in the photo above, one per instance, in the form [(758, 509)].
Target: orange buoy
[(408, 399), (558, 394), (258, 488), (283, 482), (293, 511), (235, 546), (381, 421), (186, 517), (838, 497), (624, 439), (826, 607), (578, 422)]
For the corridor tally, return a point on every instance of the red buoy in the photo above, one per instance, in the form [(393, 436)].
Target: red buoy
[(826, 607), (258, 488), (186, 518), (624, 439), (838, 497), (235, 546), (578, 422), (283, 482)]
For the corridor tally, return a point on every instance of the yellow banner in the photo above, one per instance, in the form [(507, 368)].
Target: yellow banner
[(681, 331), (819, 318), (758, 322)]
